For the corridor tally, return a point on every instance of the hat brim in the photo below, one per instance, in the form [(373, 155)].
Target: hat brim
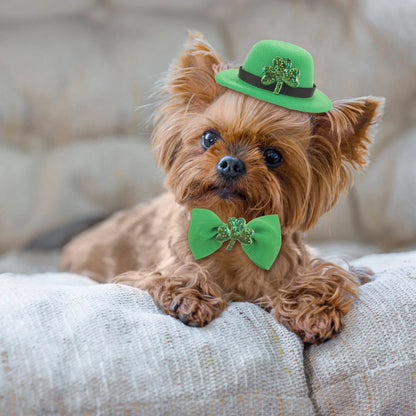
[(318, 103)]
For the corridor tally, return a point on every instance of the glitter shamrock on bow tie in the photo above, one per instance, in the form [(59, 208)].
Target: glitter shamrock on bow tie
[(235, 230), (280, 72)]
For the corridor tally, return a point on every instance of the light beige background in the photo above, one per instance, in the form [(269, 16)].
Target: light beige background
[(73, 143)]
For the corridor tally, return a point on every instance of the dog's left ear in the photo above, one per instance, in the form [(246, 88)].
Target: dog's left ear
[(339, 144), (348, 126)]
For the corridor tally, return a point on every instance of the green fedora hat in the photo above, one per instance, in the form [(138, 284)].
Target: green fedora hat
[(279, 73)]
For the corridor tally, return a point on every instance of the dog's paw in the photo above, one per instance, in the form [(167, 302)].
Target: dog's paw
[(313, 303), (195, 304), (316, 324), (192, 307)]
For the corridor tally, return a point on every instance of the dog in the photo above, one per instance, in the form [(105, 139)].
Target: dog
[(229, 147)]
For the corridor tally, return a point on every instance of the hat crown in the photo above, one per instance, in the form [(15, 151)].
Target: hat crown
[(279, 73), (264, 52)]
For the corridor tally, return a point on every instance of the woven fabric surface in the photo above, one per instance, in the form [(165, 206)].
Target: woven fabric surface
[(69, 346), (370, 368)]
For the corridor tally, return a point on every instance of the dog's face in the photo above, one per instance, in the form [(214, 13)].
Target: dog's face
[(243, 157)]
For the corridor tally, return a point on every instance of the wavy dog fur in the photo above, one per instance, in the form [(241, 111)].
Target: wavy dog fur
[(147, 246)]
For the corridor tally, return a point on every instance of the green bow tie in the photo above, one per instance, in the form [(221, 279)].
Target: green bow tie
[(260, 239)]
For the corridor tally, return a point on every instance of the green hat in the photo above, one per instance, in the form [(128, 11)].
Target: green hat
[(279, 73)]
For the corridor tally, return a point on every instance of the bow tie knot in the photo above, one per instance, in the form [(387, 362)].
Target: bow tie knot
[(260, 239), (235, 230)]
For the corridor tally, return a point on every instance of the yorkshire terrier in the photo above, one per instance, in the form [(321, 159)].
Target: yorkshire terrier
[(243, 156)]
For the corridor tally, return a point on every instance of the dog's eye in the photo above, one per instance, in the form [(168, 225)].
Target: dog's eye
[(272, 157), (208, 138)]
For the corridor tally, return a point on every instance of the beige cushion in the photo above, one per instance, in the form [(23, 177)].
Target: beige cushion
[(370, 367), (73, 346), (81, 179)]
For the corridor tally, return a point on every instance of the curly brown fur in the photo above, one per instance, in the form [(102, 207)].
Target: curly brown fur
[(147, 246)]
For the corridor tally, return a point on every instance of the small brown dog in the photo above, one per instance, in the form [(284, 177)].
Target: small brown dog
[(238, 156)]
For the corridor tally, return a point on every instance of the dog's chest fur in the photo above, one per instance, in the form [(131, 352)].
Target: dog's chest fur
[(153, 236)]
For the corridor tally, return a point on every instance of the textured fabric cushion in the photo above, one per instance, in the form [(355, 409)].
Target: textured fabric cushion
[(370, 368), (71, 346)]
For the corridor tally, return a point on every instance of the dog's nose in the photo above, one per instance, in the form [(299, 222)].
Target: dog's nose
[(230, 167)]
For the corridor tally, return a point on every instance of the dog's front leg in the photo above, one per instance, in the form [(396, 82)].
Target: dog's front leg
[(313, 303), (188, 294)]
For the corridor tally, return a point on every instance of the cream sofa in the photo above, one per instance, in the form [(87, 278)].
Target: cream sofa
[(76, 79), (71, 346)]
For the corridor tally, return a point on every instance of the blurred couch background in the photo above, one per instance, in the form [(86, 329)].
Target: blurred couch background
[(76, 79)]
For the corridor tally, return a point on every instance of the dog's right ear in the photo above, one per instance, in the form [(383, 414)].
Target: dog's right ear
[(190, 88), (191, 79)]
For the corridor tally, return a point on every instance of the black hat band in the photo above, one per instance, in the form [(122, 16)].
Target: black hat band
[(255, 81)]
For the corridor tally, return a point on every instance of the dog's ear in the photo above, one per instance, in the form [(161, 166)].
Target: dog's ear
[(348, 126), (339, 144), (190, 88), (191, 79)]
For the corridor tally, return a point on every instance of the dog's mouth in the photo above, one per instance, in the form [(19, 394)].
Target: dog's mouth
[(226, 193)]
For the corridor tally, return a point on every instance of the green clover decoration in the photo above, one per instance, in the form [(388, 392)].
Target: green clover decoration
[(235, 230), (280, 72)]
